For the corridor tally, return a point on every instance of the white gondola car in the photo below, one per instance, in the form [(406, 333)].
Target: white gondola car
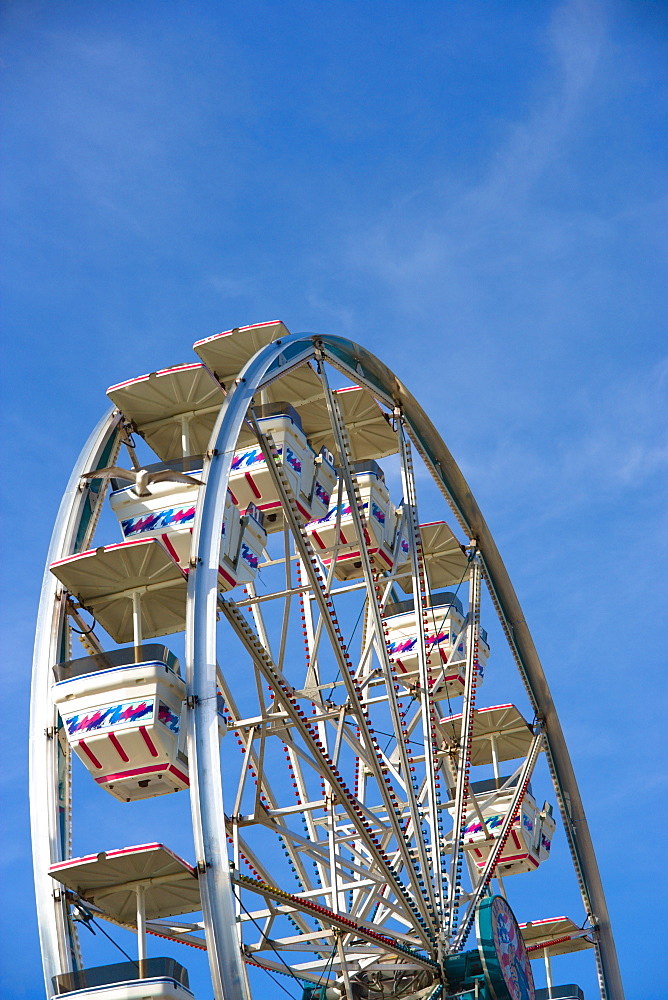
[(168, 513), (382, 524), (163, 979), (312, 477), (130, 886), (122, 710), (530, 837), (445, 644), (123, 719)]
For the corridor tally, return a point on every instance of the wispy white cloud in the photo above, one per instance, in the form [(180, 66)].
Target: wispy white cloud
[(625, 435), (454, 232), (575, 40), (615, 440)]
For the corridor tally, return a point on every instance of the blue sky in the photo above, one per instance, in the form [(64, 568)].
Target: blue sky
[(474, 191)]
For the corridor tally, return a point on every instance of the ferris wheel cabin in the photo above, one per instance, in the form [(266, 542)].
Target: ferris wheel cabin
[(446, 639), (122, 709), (335, 532), (500, 733), (133, 886), (123, 719), (311, 477)]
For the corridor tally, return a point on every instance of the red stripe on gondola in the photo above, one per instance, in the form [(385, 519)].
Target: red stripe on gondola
[(148, 741), (138, 771), (89, 753), (113, 739), (226, 576), (170, 548), (506, 859), (251, 483)]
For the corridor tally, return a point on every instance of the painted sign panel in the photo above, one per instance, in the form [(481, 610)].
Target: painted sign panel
[(502, 950)]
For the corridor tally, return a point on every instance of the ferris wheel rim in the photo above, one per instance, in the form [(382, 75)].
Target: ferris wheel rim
[(358, 364), (55, 935)]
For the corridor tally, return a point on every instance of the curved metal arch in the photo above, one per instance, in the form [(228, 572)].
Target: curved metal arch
[(206, 799), (74, 523)]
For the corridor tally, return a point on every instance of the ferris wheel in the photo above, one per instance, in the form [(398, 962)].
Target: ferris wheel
[(360, 815)]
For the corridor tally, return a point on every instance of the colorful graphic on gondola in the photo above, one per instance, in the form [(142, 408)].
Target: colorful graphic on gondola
[(254, 456), (322, 495), (249, 556), (377, 512), (407, 645), (125, 713), (175, 517), (292, 459), (247, 459), (332, 512), (168, 718), (473, 829)]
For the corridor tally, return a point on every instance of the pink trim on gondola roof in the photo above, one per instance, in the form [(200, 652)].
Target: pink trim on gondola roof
[(545, 920), (237, 329), (163, 371), (118, 852), (109, 548), (430, 524)]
